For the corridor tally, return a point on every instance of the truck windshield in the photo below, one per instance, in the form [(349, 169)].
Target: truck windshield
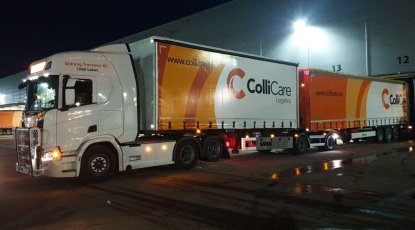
[(42, 94)]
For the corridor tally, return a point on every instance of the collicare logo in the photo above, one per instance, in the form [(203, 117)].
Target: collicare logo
[(239, 94), (263, 87), (393, 99)]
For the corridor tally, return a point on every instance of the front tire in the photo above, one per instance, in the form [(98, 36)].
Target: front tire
[(98, 164)]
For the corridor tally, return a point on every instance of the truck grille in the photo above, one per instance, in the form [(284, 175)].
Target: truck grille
[(27, 141)]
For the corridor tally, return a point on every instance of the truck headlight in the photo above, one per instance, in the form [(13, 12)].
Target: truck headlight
[(52, 154)]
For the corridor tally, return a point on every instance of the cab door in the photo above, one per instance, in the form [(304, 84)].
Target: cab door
[(77, 117)]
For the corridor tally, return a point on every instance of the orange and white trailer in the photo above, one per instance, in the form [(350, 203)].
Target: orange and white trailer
[(9, 120), (351, 106)]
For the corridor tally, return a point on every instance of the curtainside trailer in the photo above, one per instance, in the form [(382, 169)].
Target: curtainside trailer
[(351, 106), (9, 119)]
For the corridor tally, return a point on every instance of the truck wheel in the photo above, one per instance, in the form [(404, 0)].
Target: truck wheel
[(301, 145), (388, 134), (213, 149), (330, 143), (98, 164), (395, 133), (379, 135), (186, 154)]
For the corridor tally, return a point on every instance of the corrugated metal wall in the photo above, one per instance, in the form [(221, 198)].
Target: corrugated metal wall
[(362, 37)]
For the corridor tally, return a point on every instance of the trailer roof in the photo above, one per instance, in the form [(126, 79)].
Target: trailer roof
[(219, 50), (349, 75)]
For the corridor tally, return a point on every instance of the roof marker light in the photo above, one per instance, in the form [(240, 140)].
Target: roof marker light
[(37, 67)]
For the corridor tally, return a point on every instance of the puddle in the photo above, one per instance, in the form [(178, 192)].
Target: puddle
[(277, 178), (337, 164), (307, 188)]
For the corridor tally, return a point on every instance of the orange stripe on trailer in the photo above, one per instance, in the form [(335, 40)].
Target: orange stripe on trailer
[(194, 95), (206, 106), (362, 100)]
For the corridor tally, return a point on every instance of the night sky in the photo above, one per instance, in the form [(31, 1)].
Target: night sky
[(33, 29)]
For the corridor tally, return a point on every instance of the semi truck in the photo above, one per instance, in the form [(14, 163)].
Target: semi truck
[(153, 102), (160, 101), (9, 119)]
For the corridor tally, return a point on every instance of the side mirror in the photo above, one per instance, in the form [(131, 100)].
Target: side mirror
[(22, 85), (69, 97)]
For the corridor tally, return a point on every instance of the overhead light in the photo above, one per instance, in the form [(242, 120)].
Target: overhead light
[(299, 25)]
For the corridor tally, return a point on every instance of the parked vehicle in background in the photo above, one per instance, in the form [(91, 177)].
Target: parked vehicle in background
[(9, 119)]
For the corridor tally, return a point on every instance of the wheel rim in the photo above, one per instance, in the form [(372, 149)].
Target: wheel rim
[(213, 148), (389, 134), (99, 165), (330, 142), (395, 133), (187, 154), (380, 135)]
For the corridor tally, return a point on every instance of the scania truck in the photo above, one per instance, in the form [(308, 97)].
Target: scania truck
[(153, 102), (160, 101)]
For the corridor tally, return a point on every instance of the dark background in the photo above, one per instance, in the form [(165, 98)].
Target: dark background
[(33, 29)]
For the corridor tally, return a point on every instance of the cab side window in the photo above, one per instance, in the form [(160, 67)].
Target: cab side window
[(83, 92), (78, 92)]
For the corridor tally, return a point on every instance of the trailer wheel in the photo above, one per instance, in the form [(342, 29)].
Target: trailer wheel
[(213, 148), (388, 134), (301, 145), (395, 133), (264, 151), (98, 164), (330, 143), (186, 154), (379, 135)]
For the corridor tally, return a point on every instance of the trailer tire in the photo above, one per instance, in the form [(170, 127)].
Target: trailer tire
[(301, 145), (379, 135), (388, 134), (98, 164), (213, 149), (395, 133), (186, 154), (330, 143), (264, 151)]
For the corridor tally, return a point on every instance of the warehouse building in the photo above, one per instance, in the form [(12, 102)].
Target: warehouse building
[(371, 37)]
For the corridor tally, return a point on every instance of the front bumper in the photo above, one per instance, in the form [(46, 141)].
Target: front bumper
[(29, 162)]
